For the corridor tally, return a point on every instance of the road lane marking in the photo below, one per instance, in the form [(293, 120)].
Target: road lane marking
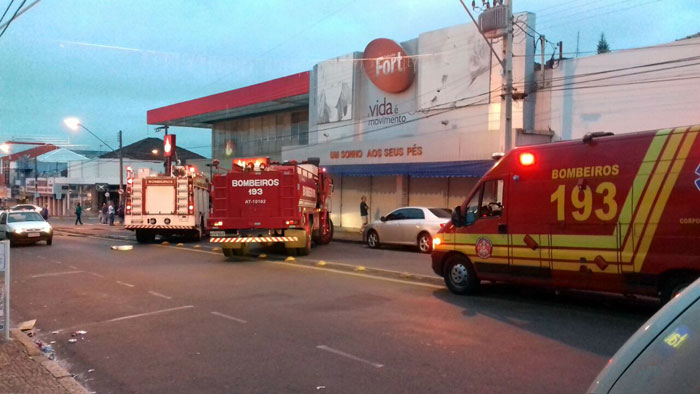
[(151, 313), (97, 275), (151, 292), (125, 284), (348, 355), (55, 274), (229, 317), (407, 282), (73, 267)]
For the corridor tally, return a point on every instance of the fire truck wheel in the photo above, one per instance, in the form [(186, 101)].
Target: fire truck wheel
[(144, 237), (228, 252), (459, 275), (672, 285), (425, 243), (307, 249), (327, 233), (291, 252), (372, 239)]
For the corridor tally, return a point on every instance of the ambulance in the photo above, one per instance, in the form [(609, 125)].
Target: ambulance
[(610, 213)]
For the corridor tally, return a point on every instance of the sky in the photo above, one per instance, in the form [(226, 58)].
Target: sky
[(109, 62)]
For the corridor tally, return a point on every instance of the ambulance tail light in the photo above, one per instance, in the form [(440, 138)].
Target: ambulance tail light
[(527, 159)]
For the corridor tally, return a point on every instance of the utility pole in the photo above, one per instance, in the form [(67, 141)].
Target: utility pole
[(36, 181), (506, 63), (508, 74), (121, 170)]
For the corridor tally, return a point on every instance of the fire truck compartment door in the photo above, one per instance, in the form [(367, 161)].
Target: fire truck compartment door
[(160, 200)]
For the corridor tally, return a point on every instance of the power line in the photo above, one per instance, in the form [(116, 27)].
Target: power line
[(6, 9), (13, 17)]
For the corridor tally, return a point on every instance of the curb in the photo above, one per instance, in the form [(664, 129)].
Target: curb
[(58, 372)]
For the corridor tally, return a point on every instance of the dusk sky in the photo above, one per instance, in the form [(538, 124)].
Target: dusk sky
[(108, 62)]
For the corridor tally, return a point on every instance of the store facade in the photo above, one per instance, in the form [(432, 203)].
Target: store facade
[(410, 123)]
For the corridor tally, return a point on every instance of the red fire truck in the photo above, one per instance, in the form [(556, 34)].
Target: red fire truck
[(264, 203), (609, 213), (165, 205)]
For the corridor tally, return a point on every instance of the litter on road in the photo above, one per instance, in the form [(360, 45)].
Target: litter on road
[(122, 247), (27, 325)]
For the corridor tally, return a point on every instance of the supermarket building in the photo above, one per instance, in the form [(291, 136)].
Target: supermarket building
[(416, 122)]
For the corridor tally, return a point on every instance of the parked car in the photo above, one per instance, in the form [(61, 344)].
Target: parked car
[(26, 207), (407, 226), (25, 227), (663, 355)]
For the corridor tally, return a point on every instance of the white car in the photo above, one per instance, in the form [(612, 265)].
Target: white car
[(26, 207), (25, 227), (663, 356), (407, 226)]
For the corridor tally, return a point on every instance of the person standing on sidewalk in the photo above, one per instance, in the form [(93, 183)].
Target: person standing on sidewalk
[(45, 212), (100, 214), (111, 212), (364, 212), (105, 213), (78, 212)]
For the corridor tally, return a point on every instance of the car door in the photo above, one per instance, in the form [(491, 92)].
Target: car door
[(411, 226), (391, 228)]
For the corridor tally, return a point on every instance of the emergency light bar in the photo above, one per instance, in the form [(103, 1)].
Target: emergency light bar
[(253, 163)]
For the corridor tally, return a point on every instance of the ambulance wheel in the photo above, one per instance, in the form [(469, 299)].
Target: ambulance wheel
[(144, 237), (425, 243), (372, 239), (672, 285), (459, 275)]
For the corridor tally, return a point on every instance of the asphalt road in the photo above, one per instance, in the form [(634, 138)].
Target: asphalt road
[(167, 319)]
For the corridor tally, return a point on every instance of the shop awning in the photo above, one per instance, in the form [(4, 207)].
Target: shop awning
[(472, 169)]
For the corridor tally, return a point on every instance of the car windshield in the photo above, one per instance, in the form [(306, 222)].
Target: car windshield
[(24, 217), (442, 213)]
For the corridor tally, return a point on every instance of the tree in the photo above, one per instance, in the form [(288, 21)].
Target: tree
[(603, 45)]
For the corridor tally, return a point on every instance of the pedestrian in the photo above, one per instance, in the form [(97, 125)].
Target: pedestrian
[(120, 212), (364, 212), (78, 212), (111, 213), (100, 214), (45, 212), (105, 210)]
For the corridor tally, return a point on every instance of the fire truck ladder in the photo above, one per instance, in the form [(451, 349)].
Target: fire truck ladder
[(137, 202), (182, 184)]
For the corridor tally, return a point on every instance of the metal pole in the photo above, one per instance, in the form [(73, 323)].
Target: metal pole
[(508, 74), (6, 288), (121, 170), (36, 180)]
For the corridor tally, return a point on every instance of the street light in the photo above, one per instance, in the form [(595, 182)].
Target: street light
[(73, 123), (154, 151)]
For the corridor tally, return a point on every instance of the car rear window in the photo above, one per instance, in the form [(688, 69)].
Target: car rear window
[(441, 212)]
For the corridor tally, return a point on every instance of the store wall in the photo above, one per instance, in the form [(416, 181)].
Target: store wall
[(386, 193), (620, 92)]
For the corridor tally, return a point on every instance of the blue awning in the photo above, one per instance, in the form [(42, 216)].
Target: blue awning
[(472, 169)]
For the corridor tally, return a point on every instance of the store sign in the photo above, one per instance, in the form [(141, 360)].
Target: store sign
[(45, 186), (388, 66), (376, 152)]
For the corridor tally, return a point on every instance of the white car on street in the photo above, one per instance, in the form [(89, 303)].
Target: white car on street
[(25, 227), (407, 226)]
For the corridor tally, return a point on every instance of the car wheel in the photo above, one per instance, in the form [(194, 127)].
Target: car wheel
[(372, 239), (460, 276), (425, 243), (49, 241)]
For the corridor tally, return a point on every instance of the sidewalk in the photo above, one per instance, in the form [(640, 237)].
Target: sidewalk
[(24, 369)]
